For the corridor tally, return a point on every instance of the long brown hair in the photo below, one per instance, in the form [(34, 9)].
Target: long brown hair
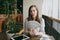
[(30, 16)]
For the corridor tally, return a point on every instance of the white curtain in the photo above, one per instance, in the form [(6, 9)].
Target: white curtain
[(51, 8), (59, 9)]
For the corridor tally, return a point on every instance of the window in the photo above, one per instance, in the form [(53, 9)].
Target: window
[(51, 8)]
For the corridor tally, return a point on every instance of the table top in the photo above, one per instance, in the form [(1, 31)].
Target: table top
[(35, 38)]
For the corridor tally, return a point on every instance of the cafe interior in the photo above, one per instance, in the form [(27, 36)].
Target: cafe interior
[(14, 12)]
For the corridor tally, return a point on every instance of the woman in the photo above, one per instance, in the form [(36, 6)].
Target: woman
[(34, 16), (35, 25)]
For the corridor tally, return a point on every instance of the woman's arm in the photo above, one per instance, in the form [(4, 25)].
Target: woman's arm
[(41, 30), (26, 29)]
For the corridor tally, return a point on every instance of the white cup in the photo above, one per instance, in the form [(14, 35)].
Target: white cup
[(45, 38)]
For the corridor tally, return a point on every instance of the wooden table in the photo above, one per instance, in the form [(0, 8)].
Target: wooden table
[(35, 38)]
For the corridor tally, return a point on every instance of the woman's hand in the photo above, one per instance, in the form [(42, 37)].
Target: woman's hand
[(31, 32)]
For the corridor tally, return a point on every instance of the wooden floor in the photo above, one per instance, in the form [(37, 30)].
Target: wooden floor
[(3, 36)]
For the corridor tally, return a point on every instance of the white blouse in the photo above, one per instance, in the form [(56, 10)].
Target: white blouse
[(38, 27)]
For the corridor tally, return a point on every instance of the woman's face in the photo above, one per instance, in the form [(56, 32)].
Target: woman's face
[(33, 12)]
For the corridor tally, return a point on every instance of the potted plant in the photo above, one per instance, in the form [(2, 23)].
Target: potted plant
[(13, 26)]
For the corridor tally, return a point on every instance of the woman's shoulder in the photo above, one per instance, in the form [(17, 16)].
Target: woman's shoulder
[(42, 20)]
